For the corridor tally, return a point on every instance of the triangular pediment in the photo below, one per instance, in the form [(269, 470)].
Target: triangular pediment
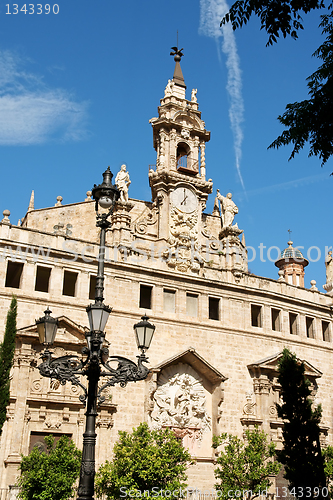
[(270, 364), (69, 332), (200, 365)]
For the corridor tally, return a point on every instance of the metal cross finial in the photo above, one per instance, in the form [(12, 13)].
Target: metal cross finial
[(289, 231)]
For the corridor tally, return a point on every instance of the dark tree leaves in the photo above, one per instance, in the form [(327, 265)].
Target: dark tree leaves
[(301, 453), (308, 121), (276, 16), (311, 120)]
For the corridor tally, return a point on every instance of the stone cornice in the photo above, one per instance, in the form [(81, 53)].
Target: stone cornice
[(166, 180)]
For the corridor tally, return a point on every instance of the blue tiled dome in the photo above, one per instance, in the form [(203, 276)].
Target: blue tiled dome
[(291, 252)]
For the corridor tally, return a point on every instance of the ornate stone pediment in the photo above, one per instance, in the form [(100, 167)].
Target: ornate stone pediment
[(269, 366), (193, 358)]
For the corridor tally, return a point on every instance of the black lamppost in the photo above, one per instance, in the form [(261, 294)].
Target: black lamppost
[(95, 361)]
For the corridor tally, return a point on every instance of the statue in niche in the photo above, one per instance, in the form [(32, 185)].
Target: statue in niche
[(122, 182), (169, 88), (228, 208), (329, 267), (180, 403), (194, 95)]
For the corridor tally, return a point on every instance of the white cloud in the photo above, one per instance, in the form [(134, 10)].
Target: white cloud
[(31, 113), (211, 13)]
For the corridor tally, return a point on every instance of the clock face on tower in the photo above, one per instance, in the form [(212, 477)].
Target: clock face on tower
[(184, 199)]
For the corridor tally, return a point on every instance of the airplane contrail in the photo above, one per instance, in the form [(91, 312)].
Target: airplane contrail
[(211, 13)]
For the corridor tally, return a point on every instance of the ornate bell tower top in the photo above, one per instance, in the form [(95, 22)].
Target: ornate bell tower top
[(179, 133)]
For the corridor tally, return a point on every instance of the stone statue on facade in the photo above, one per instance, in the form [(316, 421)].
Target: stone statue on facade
[(329, 267), (122, 182), (169, 88), (228, 208), (194, 95)]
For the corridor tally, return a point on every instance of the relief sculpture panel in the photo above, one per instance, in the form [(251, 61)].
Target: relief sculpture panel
[(182, 403)]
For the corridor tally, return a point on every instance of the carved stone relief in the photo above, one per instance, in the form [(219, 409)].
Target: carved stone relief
[(183, 241), (53, 421), (180, 402), (36, 385), (145, 220)]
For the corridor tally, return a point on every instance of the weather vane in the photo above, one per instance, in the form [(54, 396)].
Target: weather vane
[(176, 52)]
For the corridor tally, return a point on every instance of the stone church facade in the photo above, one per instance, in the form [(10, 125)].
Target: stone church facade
[(219, 329)]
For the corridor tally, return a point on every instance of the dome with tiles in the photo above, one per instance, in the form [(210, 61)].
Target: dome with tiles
[(291, 253)]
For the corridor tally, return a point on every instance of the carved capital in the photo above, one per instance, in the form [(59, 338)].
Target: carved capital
[(261, 385)]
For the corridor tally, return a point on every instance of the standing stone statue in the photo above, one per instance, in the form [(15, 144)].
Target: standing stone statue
[(329, 267), (122, 182), (194, 95), (228, 208), (169, 88)]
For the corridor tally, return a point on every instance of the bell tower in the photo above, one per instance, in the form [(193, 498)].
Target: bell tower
[(179, 133), (178, 183)]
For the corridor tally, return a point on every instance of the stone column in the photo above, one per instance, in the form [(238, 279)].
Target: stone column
[(262, 386), (121, 224), (16, 427), (203, 161)]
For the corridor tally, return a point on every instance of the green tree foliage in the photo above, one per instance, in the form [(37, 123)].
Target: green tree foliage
[(301, 453), (328, 468), (144, 460), (309, 120), (7, 349), (244, 467), (50, 475)]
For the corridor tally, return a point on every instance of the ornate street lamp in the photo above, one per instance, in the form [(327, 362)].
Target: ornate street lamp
[(144, 332), (96, 363), (47, 328)]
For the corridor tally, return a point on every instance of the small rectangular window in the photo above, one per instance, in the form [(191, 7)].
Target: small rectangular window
[(214, 308), (192, 304), (276, 320), (169, 301), (42, 279), (14, 274), (326, 330), (145, 296), (92, 286), (69, 285), (309, 327), (256, 315), (293, 324)]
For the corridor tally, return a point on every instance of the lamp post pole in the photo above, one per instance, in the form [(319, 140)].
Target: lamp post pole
[(96, 363)]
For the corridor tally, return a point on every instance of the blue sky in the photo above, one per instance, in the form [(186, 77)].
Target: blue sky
[(78, 88)]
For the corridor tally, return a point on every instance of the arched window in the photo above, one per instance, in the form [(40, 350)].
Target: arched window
[(183, 154)]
